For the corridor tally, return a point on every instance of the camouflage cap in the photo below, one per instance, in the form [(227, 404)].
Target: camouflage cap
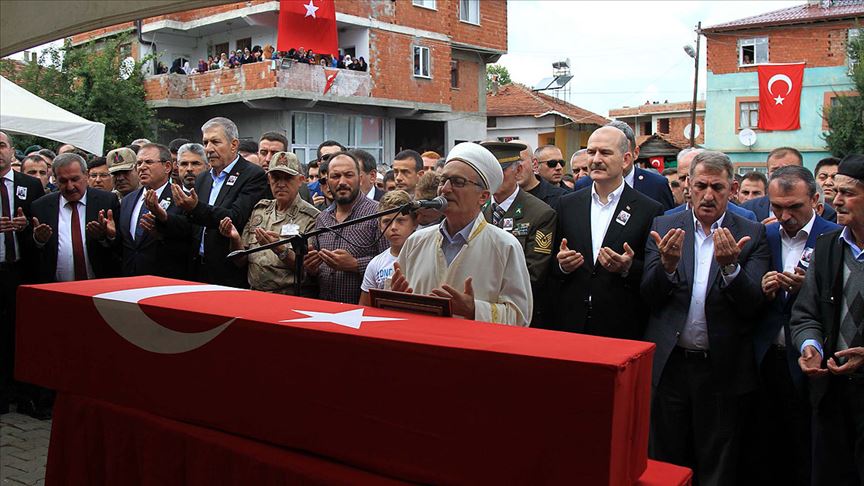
[(120, 159), (285, 162)]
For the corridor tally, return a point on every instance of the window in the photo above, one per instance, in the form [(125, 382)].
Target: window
[(646, 128), (421, 62), (469, 11), (244, 44), (430, 4), (744, 169), (454, 74), (310, 129), (853, 34), (220, 49), (663, 125), (752, 51), (491, 122), (748, 114)]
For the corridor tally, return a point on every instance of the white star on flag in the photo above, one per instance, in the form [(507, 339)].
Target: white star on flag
[(310, 10), (779, 100), (352, 318)]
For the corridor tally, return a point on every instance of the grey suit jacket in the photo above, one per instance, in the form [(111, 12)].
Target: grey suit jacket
[(731, 311)]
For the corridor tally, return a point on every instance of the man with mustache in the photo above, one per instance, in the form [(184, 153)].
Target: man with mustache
[(191, 161), (339, 258), (825, 171), (826, 327), (703, 273)]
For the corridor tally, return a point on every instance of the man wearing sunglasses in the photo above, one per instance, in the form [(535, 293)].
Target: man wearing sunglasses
[(532, 183), (550, 165)]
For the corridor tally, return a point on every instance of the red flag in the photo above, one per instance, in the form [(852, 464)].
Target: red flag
[(780, 96), (331, 77), (310, 24), (657, 163)]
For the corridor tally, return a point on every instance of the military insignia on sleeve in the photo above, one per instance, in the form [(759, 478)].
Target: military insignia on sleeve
[(257, 219), (543, 242)]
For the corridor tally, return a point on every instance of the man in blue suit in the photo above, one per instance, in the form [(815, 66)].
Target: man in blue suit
[(784, 411), (781, 157), (648, 183)]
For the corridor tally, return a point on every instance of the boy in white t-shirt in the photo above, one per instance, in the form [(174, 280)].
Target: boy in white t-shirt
[(397, 228)]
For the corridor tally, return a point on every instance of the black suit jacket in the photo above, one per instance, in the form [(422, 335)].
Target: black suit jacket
[(101, 255), (26, 190), (163, 252), (546, 192), (761, 206), (731, 311), (248, 183), (615, 308), (649, 183)]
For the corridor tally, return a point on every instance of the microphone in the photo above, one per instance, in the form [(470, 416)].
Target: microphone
[(439, 203)]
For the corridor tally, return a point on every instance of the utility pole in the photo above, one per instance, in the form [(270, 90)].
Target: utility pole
[(695, 86)]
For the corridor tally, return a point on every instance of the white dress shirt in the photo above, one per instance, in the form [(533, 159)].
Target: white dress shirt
[(601, 216), (218, 182), (371, 193), (65, 261), (792, 248), (9, 181), (505, 204), (695, 333), (628, 178), (136, 211)]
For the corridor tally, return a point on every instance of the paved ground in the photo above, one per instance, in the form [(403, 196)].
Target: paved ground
[(23, 449)]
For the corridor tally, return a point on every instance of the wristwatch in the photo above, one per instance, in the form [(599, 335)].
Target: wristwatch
[(727, 270)]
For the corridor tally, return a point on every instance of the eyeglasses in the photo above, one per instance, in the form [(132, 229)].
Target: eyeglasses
[(149, 162), (456, 182), (554, 163)]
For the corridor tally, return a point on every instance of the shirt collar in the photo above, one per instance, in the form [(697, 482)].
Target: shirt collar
[(805, 231), (630, 177), (225, 171), (612, 197), (505, 204), (698, 225), (10, 175), (64, 202), (846, 236), (464, 233), (158, 190), (371, 193)]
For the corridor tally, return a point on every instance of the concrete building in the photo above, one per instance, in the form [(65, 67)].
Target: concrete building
[(517, 112), (815, 33), (424, 89)]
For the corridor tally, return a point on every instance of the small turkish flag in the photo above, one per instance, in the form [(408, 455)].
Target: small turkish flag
[(657, 163), (331, 77), (310, 24), (780, 96)]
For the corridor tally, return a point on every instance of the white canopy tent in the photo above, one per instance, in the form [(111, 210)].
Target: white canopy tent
[(23, 112)]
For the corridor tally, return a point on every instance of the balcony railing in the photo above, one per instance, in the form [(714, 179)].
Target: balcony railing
[(289, 76)]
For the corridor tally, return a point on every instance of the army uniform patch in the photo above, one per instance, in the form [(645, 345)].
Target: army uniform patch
[(521, 229), (543, 242), (256, 221)]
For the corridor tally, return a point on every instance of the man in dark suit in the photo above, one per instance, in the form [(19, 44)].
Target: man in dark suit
[(145, 249), (369, 169), (527, 218), (532, 183), (827, 326), (600, 246), (17, 193), (777, 158), (229, 189), (651, 184), (702, 280), (783, 413)]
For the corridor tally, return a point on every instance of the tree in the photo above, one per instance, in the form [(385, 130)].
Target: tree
[(499, 72), (846, 118), (86, 80)]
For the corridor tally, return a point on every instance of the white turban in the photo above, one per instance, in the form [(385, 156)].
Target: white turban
[(481, 160)]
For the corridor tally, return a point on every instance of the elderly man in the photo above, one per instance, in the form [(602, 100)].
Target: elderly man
[(340, 259), (407, 167), (579, 163), (601, 246), (527, 218), (532, 183), (121, 166), (230, 189), (685, 157), (703, 272), (478, 266), (191, 161), (826, 327)]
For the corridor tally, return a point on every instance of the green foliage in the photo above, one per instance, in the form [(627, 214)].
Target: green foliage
[(498, 71), (846, 118), (86, 80)]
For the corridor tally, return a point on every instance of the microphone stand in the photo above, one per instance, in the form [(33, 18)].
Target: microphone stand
[(300, 242)]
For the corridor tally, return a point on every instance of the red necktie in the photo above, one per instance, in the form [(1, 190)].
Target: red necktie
[(78, 245), (9, 237)]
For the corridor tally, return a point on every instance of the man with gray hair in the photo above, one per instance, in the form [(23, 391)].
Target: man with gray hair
[(229, 189), (647, 182), (191, 161), (579, 163), (703, 273)]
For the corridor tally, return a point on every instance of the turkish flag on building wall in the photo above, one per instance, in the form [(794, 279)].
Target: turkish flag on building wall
[(780, 96), (310, 24)]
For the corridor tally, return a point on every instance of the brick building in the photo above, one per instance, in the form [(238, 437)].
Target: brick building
[(815, 33), (424, 89), (665, 118)]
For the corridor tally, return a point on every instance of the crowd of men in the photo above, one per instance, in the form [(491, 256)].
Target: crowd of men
[(752, 288)]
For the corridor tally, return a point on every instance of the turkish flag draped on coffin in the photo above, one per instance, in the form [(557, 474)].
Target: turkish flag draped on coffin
[(780, 96), (310, 24)]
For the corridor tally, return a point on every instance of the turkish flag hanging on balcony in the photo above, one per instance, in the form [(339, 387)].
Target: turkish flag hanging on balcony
[(780, 96), (310, 24)]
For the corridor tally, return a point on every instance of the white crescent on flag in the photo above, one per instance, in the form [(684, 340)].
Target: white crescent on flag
[(779, 77)]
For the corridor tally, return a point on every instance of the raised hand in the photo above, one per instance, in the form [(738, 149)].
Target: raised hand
[(726, 249), (152, 203), (398, 282), (186, 203), (19, 221), (792, 281), (148, 222), (854, 359), (811, 362), (227, 229), (569, 259), (770, 284), (103, 227), (669, 246), (41, 232), (312, 261), (615, 262), (339, 259), (461, 303)]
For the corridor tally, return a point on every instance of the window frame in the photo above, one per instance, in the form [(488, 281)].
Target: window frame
[(423, 4), (428, 62), (850, 34), (475, 4), (454, 70), (753, 41), (745, 99)]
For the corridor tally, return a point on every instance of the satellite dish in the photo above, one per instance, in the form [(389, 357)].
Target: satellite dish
[(687, 131), (747, 137), (127, 66)]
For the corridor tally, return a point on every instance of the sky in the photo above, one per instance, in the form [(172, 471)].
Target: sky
[(622, 53)]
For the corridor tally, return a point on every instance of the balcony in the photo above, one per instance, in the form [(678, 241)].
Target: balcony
[(256, 81)]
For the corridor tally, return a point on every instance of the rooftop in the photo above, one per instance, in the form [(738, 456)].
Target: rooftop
[(519, 100), (654, 108), (800, 14), (677, 142)]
